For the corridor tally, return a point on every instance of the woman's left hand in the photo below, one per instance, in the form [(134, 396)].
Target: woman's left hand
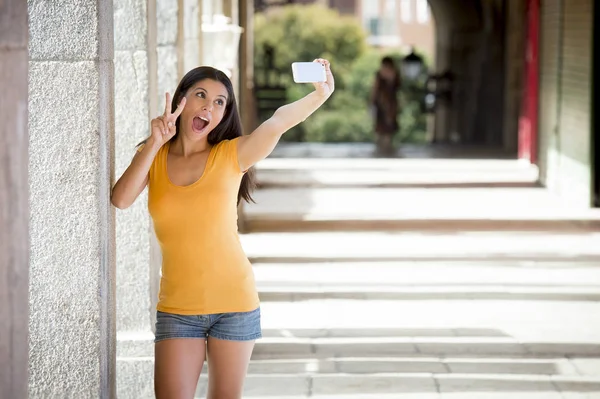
[(325, 88)]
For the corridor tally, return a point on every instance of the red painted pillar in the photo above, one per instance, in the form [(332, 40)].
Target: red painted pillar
[(528, 122)]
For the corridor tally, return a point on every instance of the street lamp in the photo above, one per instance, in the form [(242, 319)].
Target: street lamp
[(412, 65)]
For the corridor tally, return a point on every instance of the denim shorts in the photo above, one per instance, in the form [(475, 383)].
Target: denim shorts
[(240, 326)]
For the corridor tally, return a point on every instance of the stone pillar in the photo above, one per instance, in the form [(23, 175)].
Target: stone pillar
[(167, 15), (135, 95), (14, 208), (132, 96), (231, 10), (190, 35), (71, 122)]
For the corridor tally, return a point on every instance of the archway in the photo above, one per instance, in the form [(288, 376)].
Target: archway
[(471, 50)]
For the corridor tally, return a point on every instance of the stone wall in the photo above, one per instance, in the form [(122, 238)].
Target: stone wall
[(135, 91), (72, 269)]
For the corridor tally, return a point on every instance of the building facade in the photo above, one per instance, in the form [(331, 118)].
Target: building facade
[(398, 24)]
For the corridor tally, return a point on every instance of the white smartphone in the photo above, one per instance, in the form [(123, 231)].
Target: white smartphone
[(308, 72)]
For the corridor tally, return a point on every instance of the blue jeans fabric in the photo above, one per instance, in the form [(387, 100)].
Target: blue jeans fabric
[(237, 326)]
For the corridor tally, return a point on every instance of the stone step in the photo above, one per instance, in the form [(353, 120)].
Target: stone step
[(581, 247), (442, 327), (285, 178), (424, 280), (304, 377), (438, 365), (373, 332), (395, 173), (450, 395), (286, 294), (298, 223), (380, 376), (291, 385), (359, 209), (350, 163), (286, 348)]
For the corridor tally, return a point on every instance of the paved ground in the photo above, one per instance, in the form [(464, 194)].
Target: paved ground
[(405, 310)]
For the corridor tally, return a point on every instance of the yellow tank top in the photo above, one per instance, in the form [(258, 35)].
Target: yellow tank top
[(204, 268)]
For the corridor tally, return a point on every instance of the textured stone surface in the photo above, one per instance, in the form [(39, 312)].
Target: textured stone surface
[(63, 30), (372, 384), (166, 22), (493, 383), (72, 331), (133, 242), (135, 378), (132, 101), (191, 35), (266, 386), (168, 77), (65, 229), (167, 12), (130, 24), (135, 344)]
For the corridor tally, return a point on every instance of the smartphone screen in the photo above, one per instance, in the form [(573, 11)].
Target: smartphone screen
[(308, 72)]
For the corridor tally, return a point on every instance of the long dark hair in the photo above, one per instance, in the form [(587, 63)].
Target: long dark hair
[(230, 126)]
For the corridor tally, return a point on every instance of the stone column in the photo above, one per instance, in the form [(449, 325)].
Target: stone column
[(167, 15), (14, 208), (132, 95), (71, 125), (190, 35), (135, 94)]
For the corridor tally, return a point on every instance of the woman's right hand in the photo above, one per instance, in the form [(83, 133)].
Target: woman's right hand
[(163, 127)]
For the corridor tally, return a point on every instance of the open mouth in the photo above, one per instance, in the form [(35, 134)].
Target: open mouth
[(200, 123)]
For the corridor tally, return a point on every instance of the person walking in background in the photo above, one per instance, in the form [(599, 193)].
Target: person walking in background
[(384, 102), (198, 166)]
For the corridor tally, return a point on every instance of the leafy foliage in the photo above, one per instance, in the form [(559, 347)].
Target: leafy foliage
[(303, 33)]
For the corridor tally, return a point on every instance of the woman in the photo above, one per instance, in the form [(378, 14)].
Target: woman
[(197, 166), (384, 100)]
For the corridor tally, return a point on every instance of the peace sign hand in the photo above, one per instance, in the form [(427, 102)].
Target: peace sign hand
[(163, 127)]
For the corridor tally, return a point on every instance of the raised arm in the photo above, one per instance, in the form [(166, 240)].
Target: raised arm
[(135, 177), (258, 145)]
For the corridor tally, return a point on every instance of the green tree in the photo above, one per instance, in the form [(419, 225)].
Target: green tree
[(303, 33)]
